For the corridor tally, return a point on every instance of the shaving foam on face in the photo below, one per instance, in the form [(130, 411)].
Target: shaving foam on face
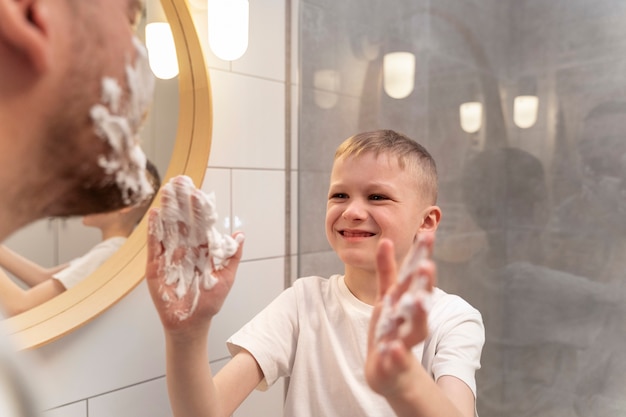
[(193, 247), (119, 126), (399, 315)]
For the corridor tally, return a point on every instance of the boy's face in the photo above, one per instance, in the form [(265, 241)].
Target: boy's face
[(371, 198)]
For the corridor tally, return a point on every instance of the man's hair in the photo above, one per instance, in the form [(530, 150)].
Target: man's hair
[(408, 152)]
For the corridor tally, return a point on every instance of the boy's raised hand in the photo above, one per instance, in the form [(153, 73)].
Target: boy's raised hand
[(400, 317), (191, 267)]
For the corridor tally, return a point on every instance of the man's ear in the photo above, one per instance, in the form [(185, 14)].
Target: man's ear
[(24, 28), (431, 217)]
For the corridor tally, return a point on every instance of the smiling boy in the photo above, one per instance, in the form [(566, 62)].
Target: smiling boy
[(320, 331)]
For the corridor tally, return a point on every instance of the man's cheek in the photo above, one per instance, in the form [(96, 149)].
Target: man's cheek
[(118, 122)]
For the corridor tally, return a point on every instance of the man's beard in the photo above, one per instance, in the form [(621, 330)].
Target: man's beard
[(79, 151)]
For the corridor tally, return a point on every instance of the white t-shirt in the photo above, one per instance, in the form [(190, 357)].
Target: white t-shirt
[(316, 333), (81, 268)]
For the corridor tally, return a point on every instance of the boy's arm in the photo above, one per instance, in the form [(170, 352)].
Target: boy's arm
[(24, 269), (193, 391), (188, 290), (391, 368), (15, 300)]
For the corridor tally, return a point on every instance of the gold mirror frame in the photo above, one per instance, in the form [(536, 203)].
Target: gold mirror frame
[(125, 270)]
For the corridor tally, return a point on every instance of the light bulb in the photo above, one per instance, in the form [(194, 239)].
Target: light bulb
[(161, 50), (399, 74), (525, 111), (471, 114), (228, 28)]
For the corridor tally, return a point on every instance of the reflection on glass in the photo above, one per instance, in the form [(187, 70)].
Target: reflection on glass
[(399, 74), (471, 115), (525, 109)]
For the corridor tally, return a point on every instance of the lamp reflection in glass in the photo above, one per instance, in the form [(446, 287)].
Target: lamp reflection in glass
[(399, 74), (228, 28), (161, 50), (326, 83), (471, 114), (525, 111)]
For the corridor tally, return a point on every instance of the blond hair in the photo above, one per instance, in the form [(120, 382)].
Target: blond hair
[(408, 152)]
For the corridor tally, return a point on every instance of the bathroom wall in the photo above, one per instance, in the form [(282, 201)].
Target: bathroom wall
[(532, 231), (115, 365)]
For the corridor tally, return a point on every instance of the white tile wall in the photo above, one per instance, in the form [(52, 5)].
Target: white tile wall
[(219, 181), (121, 347), (248, 122), (265, 56), (147, 399), (256, 285), (78, 409), (259, 210)]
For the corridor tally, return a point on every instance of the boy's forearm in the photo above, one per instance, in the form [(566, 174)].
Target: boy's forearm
[(423, 398), (27, 271), (189, 378)]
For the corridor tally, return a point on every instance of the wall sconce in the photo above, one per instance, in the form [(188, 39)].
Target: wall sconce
[(228, 28), (399, 74), (161, 50), (525, 111), (471, 114), (326, 83)]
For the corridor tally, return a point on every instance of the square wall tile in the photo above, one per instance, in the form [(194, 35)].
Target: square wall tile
[(78, 409), (248, 122), (259, 211), (148, 399), (218, 181), (265, 56), (256, 285)]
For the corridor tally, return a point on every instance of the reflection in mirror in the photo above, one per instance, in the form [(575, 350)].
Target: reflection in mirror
[(69, 250)]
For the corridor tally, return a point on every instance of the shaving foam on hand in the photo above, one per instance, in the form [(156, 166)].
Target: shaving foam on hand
[(403, 309), (193, 247)]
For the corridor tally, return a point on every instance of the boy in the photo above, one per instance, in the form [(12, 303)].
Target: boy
[(46, 283), (321, 332)]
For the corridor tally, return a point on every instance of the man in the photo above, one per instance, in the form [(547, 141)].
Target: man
[(71, 102), (74, 88)]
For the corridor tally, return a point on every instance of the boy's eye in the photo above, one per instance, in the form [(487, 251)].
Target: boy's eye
[(378, 197), (339, 195)]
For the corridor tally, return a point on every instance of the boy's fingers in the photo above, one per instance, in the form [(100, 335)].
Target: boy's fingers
[(385, 266), (155, 231)]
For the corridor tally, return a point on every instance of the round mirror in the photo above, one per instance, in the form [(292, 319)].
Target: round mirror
[(125, 269)]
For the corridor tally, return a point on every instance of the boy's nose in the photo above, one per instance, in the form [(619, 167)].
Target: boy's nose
[(355, 211)]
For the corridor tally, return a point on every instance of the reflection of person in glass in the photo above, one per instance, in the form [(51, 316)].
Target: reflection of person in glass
[(46, 283), (540, 322), (588, 235)]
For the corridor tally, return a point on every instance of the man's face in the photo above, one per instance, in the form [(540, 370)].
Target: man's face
[(105, 90)]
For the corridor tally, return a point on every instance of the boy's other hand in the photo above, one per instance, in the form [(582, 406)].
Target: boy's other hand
[(390, 365)]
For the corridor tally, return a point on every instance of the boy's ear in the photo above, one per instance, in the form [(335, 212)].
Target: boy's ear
[(24, 28), (430, 219)]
